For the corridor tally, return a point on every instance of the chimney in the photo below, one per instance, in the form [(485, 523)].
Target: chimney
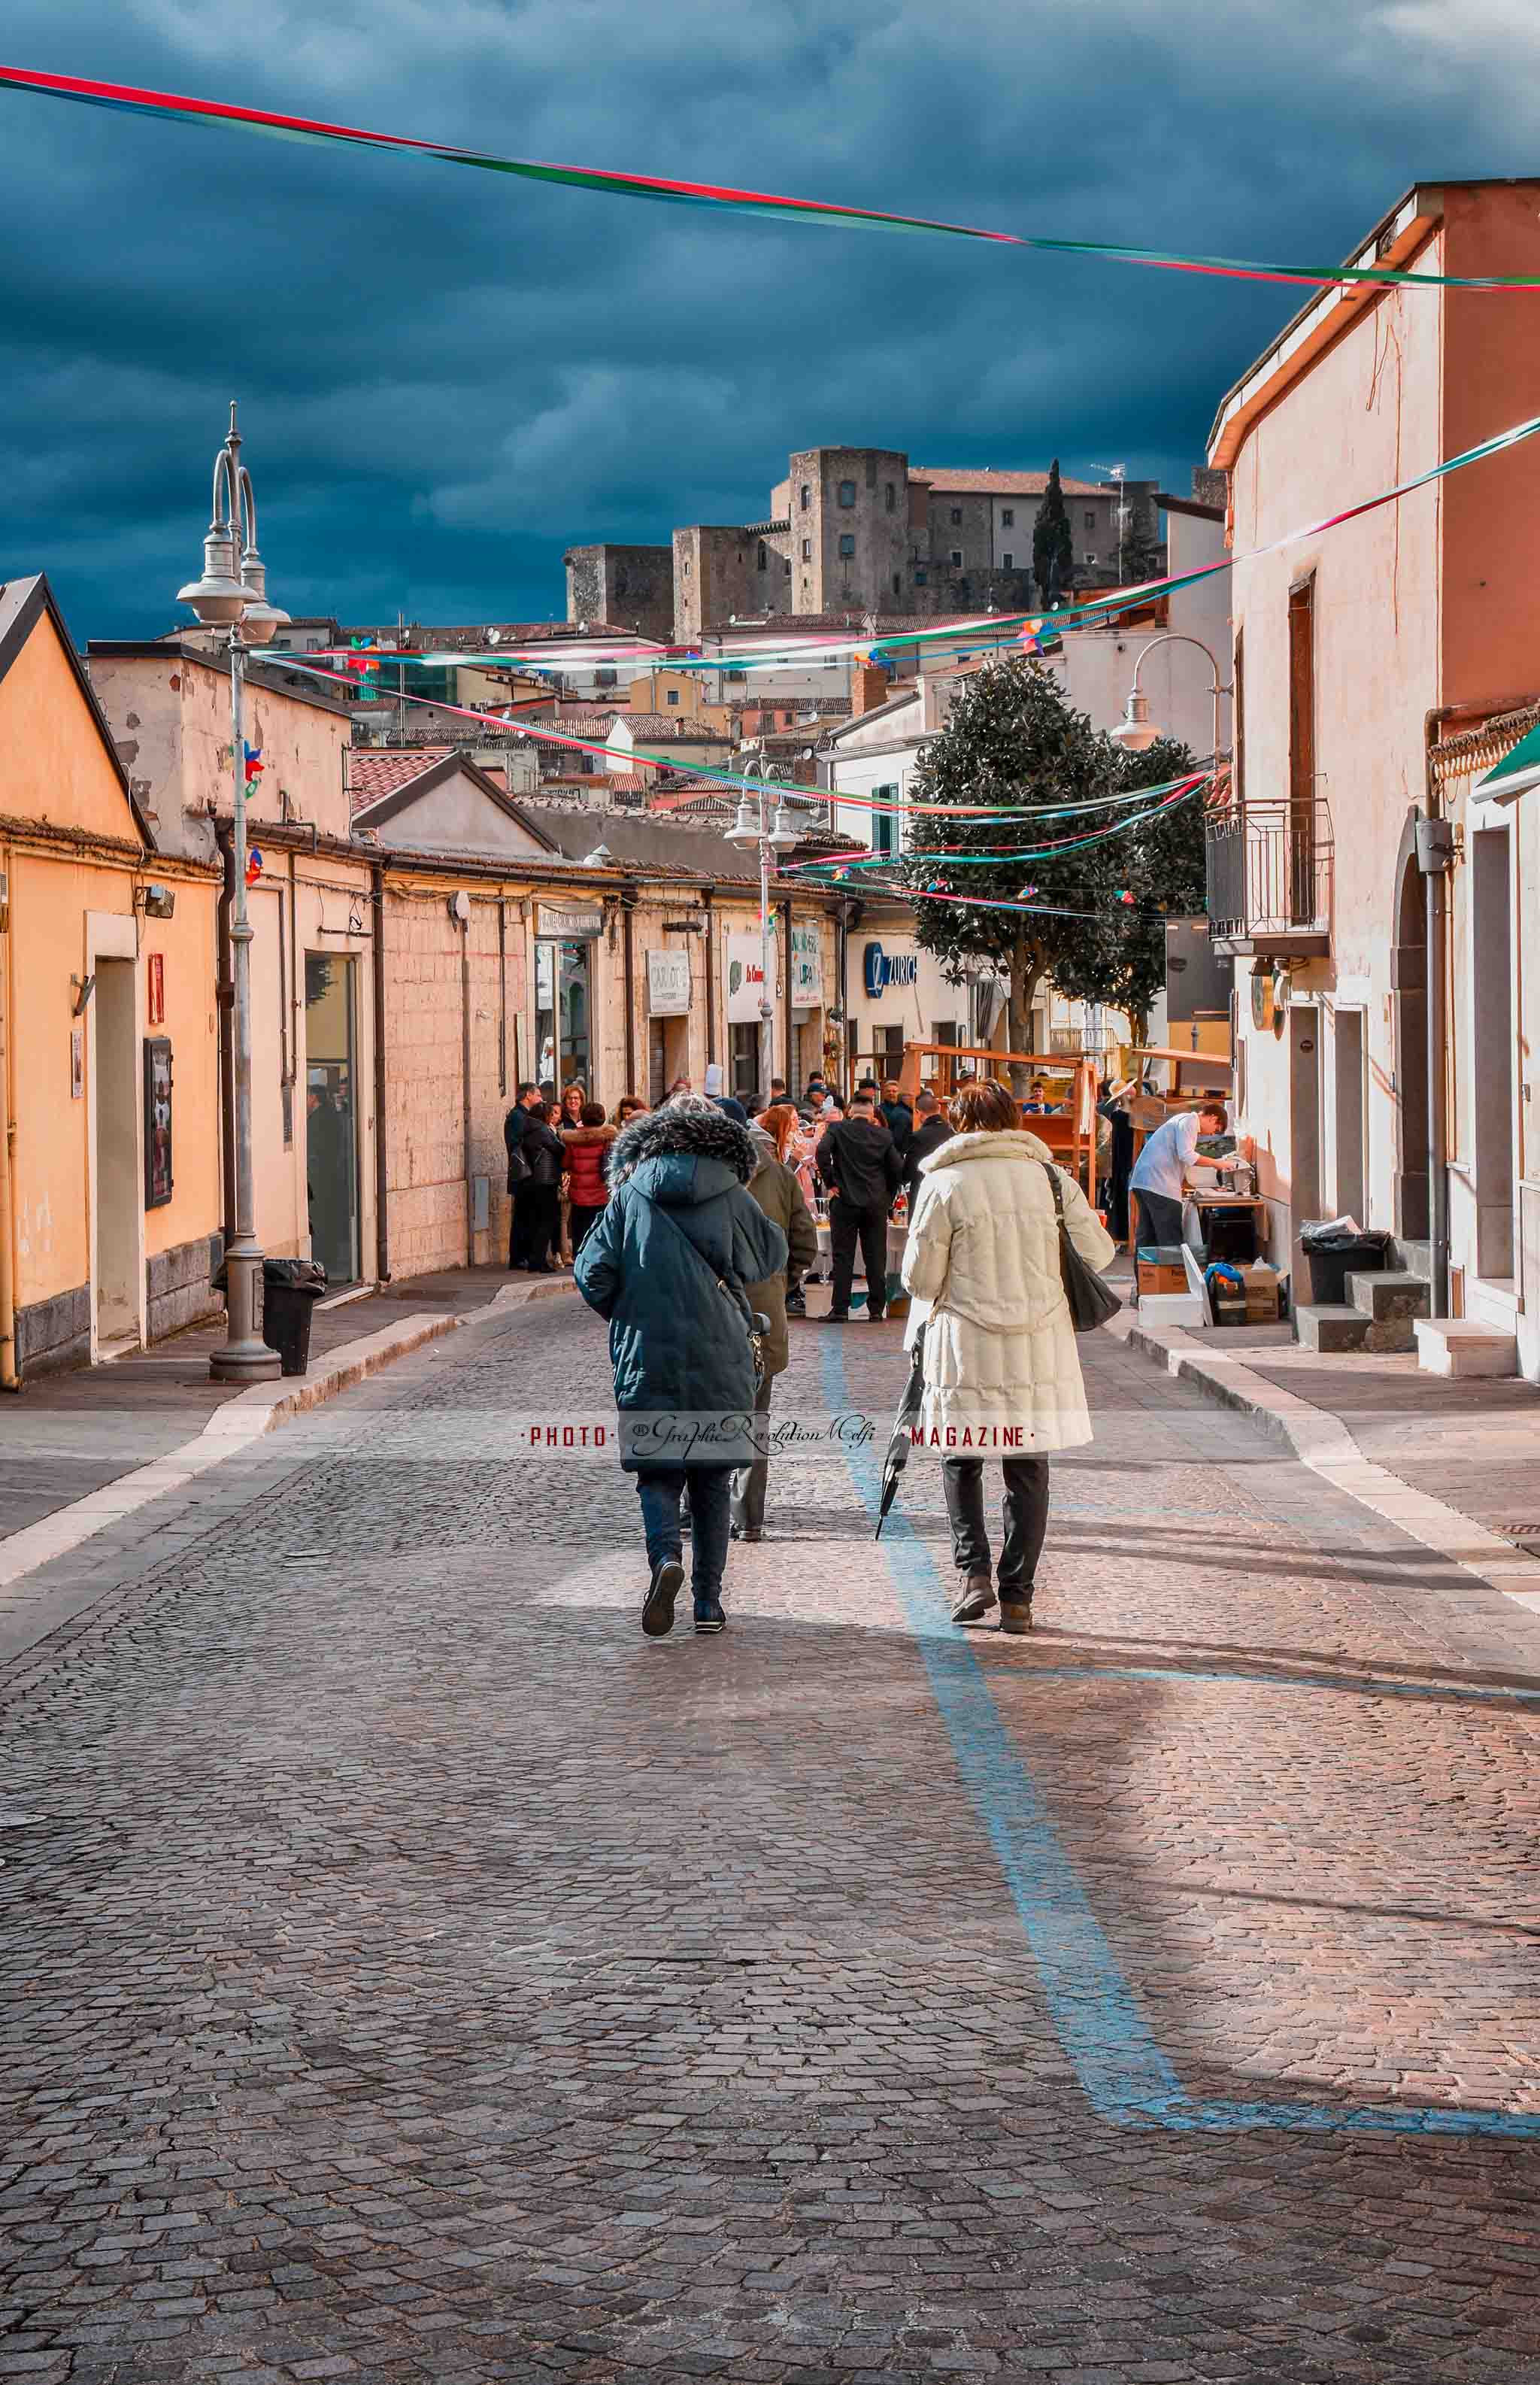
[(869, 687)]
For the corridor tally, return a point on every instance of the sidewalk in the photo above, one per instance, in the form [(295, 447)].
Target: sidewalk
[(1456, 1464), (68, 1438)]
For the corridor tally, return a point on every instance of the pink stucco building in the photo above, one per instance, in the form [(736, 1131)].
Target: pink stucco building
[(1384, 1017)]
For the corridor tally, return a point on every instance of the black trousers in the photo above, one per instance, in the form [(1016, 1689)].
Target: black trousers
[(1159, 1218), (750, 1482), (847, 1226), (1025, 1514), (535, 1212)]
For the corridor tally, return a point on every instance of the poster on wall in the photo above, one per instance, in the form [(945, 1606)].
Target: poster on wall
[(667, 984), (807, 974), (157, 1121), (745, 979)]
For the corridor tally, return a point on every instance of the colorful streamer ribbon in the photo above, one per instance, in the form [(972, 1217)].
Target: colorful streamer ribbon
[(1004, 625), (815, 796), (992, 856), (768, 204)]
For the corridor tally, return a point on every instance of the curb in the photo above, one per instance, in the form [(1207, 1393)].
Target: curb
[(241, 1421), (1327, 1447)]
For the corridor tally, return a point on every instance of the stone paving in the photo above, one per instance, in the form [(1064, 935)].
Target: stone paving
[(408, 1971), (71, 1434)]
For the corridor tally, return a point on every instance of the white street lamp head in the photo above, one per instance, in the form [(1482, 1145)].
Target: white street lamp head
[(745, 828), (219, 597), (783, 831), (1136, 732)]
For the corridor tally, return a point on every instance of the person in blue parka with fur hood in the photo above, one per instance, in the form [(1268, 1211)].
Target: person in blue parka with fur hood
[(668, 1266)]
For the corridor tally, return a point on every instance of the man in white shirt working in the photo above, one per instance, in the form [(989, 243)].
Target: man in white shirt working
[(1163, 1166)]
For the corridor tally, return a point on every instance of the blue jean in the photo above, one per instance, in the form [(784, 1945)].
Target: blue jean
[(659, 1488)]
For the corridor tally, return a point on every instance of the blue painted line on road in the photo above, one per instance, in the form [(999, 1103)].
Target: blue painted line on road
[(1095, 2010)]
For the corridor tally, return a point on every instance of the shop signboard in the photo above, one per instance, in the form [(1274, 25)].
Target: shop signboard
[(667, 984), (745, 979), (881, 969), (807, 976), (572, 925)]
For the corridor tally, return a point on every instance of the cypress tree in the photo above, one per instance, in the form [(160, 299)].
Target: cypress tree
[(1052, 543)]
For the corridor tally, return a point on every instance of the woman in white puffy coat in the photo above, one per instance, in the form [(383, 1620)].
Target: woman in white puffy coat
[(1001, 1370)]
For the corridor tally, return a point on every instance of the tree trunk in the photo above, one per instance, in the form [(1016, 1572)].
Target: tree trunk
[(1027, 975)]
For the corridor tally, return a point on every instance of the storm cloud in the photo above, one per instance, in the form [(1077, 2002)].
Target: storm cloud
[(446, 377)]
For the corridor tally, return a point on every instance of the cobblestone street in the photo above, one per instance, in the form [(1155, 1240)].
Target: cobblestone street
[(408, 1970)]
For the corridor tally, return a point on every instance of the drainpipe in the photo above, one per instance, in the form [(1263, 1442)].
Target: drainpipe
[(1436, 853), (381, 1154), (786, 1005), (9, 1378), (706, 900), (464, 923), (224, 994), (627, 900)]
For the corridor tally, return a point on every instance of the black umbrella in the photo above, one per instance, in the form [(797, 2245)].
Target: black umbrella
[(898, 1448)]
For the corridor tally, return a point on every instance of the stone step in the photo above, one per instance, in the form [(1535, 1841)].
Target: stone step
[(1391, 1298), (1330, 1325), (1460, 1345)]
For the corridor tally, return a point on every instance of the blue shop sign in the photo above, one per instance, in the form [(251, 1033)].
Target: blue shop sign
[(883, 969)]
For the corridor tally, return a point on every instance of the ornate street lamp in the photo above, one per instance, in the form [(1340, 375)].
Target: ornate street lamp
[(231, 599)]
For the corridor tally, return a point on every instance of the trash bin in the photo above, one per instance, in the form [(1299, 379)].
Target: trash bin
[(1333, 1253), (290, 1290)]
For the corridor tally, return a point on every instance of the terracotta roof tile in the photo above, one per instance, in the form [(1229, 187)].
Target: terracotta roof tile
[(945, 483), (375, 772)]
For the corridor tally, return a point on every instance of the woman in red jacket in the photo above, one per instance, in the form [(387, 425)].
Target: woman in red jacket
[(588, 1147)]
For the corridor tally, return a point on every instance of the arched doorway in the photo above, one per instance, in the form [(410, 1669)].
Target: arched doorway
[(1409, 978)]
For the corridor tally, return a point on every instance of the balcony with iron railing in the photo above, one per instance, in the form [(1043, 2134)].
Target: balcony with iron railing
[(1270, 867)]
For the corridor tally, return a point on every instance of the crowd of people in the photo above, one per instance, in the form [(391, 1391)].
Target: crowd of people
[(692, 1229)]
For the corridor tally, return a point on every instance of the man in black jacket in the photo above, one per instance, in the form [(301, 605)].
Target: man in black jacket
[(536, 1158), (899, 1117), (932, 1128), (858, 1160)]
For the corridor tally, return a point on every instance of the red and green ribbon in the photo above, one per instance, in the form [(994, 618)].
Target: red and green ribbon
[(674, 192)]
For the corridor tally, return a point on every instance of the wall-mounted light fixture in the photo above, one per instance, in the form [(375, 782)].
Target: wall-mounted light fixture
[(156, 902), (459, 909), (84, 988)]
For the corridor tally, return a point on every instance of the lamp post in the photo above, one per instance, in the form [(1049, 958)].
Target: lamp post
[(1137, 732), (231, 598), (779, 836)]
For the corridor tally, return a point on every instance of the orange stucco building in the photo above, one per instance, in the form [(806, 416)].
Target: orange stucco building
[(109, 1172)]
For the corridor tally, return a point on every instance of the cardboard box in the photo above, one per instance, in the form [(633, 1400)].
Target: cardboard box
[(1161, 1269), (1262, 1294)]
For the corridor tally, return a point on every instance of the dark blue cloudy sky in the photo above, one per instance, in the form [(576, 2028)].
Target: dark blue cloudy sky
[(446, 378)]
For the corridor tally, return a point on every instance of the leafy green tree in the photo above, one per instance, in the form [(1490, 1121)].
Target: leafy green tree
[(1132, 882), (1013, 740), (1052, 542)]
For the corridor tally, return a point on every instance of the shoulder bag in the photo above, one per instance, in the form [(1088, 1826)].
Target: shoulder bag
[(754, 1325), (1091, 1302)]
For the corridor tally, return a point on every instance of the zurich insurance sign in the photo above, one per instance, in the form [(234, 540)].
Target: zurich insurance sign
[(883, 969)]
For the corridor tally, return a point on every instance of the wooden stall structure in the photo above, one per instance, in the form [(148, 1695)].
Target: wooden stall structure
[(1070, 1133)]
